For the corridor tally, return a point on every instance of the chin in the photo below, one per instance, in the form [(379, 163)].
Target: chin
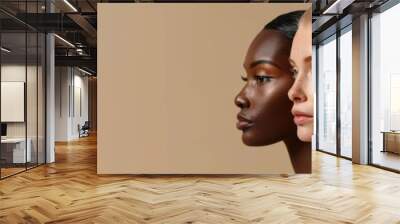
[(304, 134), (250, 140)]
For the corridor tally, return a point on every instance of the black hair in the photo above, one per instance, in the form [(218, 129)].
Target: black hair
[(286, 23)]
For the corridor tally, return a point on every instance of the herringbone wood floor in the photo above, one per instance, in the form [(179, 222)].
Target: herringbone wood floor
[(69, 191)]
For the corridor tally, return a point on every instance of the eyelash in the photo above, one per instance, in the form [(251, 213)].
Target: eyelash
[(259, 78), (294, 72), (263, 78)]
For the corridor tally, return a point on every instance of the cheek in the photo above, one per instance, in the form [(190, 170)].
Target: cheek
[(310, 94), (272, 99)]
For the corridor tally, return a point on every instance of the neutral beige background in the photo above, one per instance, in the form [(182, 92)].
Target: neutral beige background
[(167, 78)]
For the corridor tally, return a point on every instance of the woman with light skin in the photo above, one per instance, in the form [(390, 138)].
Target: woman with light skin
[(265, 110), (301, 93)]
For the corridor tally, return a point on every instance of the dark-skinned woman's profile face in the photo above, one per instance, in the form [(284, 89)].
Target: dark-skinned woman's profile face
[(265, 109)]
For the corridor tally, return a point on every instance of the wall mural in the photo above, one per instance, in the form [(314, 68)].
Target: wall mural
[(197, 89)]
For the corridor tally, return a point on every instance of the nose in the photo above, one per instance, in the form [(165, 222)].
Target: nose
[(296, 92), (241, 100)]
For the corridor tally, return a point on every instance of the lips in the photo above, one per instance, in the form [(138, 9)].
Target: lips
[(301, 118), (243, 122)]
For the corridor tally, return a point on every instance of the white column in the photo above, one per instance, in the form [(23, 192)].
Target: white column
[(50, 92), (360, 90), (50, 100)]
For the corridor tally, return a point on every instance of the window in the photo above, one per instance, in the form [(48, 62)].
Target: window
[(346, 92), (385, 89), (22, 77), (327, 95)]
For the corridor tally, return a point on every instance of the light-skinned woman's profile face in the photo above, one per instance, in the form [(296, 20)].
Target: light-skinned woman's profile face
[(301, 92), (265, 116)]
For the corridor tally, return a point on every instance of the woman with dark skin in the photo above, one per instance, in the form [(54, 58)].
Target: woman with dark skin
[(265, 117)]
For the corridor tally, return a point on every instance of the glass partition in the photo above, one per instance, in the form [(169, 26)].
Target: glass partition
[(327, 95), (22, 90), (13, 94), (41, 96), (346, 92), (31, 99), (385, 89)]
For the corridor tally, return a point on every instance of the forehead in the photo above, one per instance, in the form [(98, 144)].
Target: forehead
[(268, 44), (302, 42)]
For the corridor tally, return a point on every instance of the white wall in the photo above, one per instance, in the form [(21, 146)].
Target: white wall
[(69, 84), (80, 89), (33, 127), (9, 73), (12, 73)]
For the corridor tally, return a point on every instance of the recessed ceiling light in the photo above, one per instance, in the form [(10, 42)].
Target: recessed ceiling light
[(5, 50), (64, 40), (84, 71), (70, 5), (337, 7)]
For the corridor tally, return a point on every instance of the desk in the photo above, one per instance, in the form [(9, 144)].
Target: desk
[(13, 150), (391, 141)]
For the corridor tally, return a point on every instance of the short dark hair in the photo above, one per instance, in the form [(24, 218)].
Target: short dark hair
[(286, 23)]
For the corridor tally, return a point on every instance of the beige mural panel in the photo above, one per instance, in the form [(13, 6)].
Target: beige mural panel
[(167, 78)]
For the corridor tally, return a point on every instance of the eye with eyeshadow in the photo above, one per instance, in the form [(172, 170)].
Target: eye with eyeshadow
[(263, 78), (294, 72), (260, 79)]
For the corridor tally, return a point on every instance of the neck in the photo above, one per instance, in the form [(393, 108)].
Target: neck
[(300, 154)]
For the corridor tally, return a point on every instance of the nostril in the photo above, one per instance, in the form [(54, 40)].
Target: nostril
[(240, 102), (299, 98)]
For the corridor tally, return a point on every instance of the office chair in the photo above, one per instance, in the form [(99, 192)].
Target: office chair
[(84, 130)]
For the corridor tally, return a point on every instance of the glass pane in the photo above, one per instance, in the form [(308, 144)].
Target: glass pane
[(385, 89), (22, 88), (31, 100), (327, 96), (314, 74), (13, 86), (41, 99), (346, 94)]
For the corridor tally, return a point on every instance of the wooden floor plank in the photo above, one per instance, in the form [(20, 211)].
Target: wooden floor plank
[(70, 191)]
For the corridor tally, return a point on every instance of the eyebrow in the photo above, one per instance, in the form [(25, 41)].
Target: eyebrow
[(307, 59), (292, 63), (255, 63)]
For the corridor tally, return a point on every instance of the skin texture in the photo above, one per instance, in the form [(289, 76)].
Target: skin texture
[(301, 92), (265, 109), (263, 100)]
